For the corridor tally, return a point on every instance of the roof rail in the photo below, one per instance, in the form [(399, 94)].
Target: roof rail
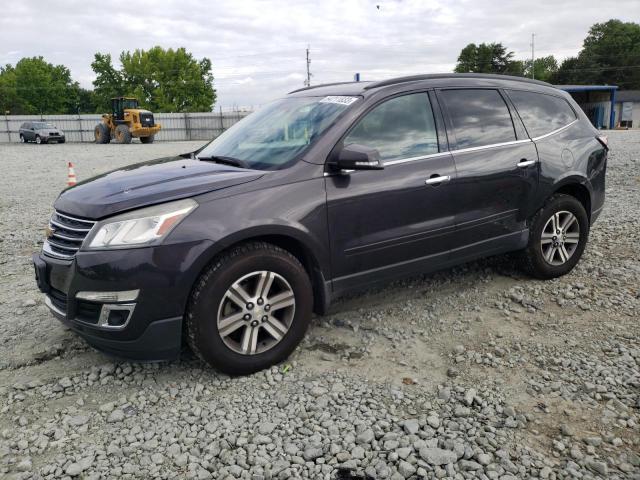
[(321, 85), (431, 76)]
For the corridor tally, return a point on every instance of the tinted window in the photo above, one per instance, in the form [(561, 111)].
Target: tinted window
[(479, 117), (541, 113), (402, 127)]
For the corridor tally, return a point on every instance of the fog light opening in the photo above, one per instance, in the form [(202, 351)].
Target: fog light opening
[(115, 317)]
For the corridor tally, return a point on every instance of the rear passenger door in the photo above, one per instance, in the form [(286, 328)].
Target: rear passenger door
[(497, 171)]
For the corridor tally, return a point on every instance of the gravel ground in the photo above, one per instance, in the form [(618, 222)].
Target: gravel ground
[(473, 372)]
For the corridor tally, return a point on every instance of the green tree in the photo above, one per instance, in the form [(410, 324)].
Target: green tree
[(485, 58), (610, 55), (35, 86), (162, 80), (544, 68)]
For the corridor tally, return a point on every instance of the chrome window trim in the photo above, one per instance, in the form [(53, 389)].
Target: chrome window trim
[(558, 130), (492, 145), (415, 159)]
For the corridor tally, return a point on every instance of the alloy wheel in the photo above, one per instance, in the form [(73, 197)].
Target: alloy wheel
[(560, 238), (256, 312)]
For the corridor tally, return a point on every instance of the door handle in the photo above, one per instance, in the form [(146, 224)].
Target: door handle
[(525, 163), (437, 179)]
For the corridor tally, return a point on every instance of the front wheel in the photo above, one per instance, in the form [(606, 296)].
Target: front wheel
[(249, 309), (148, 139), (38, 139), (557, 237)]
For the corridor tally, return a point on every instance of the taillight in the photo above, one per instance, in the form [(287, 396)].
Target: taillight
[(603, 140)]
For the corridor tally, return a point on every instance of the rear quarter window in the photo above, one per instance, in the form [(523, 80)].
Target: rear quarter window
[(541, 113)]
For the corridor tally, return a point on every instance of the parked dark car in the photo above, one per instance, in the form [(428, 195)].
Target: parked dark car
[(40, 132), (330, 189)]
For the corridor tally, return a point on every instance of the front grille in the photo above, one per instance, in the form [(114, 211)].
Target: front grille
[(67, 235), (146, 119)]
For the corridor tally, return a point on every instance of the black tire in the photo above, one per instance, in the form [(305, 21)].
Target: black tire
[(122, 134), (62, 140), (209, 292), (22, 139), (148, 139), (102, 133), (533, 258), (39, 140)]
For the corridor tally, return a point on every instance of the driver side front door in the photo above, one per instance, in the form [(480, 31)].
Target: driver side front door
[(392, 222)]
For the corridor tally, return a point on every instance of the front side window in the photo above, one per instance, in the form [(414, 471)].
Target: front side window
[(402, 127), (480, 117), (541, 113), (279, 132)]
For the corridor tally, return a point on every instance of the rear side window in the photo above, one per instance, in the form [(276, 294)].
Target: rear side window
[(402, 127), (479, 117), (541, 113)]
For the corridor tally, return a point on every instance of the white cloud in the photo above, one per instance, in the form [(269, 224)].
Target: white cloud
[(258, 47)]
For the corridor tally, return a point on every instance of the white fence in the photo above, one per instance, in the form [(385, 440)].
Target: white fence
[(175, 126)]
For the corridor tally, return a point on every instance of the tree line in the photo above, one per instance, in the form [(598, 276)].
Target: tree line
[(162, 80), (610, 55), (171, 80)]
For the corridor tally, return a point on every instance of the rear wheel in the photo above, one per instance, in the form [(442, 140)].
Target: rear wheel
[(122, 134), (102, 133), (22, 139), (148, 139), (250, 309), (557, 237)]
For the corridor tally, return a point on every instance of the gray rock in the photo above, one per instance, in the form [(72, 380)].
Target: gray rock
[(406, 469), (312, 453), (116, 416), (438, 456), (366, 436)]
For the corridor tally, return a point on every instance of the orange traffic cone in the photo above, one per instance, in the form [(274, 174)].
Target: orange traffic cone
[(71, 177)]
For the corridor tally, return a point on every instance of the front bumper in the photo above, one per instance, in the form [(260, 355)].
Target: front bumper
[(54, 138), (163, 275)]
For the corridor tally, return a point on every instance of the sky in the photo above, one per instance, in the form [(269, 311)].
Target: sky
[(258, 47)]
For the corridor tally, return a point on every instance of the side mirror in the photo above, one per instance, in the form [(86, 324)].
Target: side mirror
[(358, 157)]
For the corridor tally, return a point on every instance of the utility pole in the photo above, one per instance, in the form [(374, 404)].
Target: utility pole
[(307, 82), (533, 58)]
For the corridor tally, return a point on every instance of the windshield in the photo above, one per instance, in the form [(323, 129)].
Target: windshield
[(41, 125), (279, 132), (129, 103)]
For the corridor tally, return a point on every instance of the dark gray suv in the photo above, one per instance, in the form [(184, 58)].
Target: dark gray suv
[(330, 189), (40, 132)]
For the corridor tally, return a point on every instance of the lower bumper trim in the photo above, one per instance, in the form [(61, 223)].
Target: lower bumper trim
[(161, 340)]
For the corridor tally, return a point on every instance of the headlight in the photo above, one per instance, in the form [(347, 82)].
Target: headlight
[(146, 226)]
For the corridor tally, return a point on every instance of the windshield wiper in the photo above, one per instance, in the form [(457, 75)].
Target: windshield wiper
[(234, 162)]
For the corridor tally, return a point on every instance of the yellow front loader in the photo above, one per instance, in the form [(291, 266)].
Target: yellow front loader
[(126, 121)]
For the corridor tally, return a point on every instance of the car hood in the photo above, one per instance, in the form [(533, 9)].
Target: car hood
[(149, 183)]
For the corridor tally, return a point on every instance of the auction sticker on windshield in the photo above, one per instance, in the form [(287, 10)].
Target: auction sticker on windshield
[(342, 100)]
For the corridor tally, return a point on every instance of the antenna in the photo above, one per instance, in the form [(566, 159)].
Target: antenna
[(533, 58), (307, 82)]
